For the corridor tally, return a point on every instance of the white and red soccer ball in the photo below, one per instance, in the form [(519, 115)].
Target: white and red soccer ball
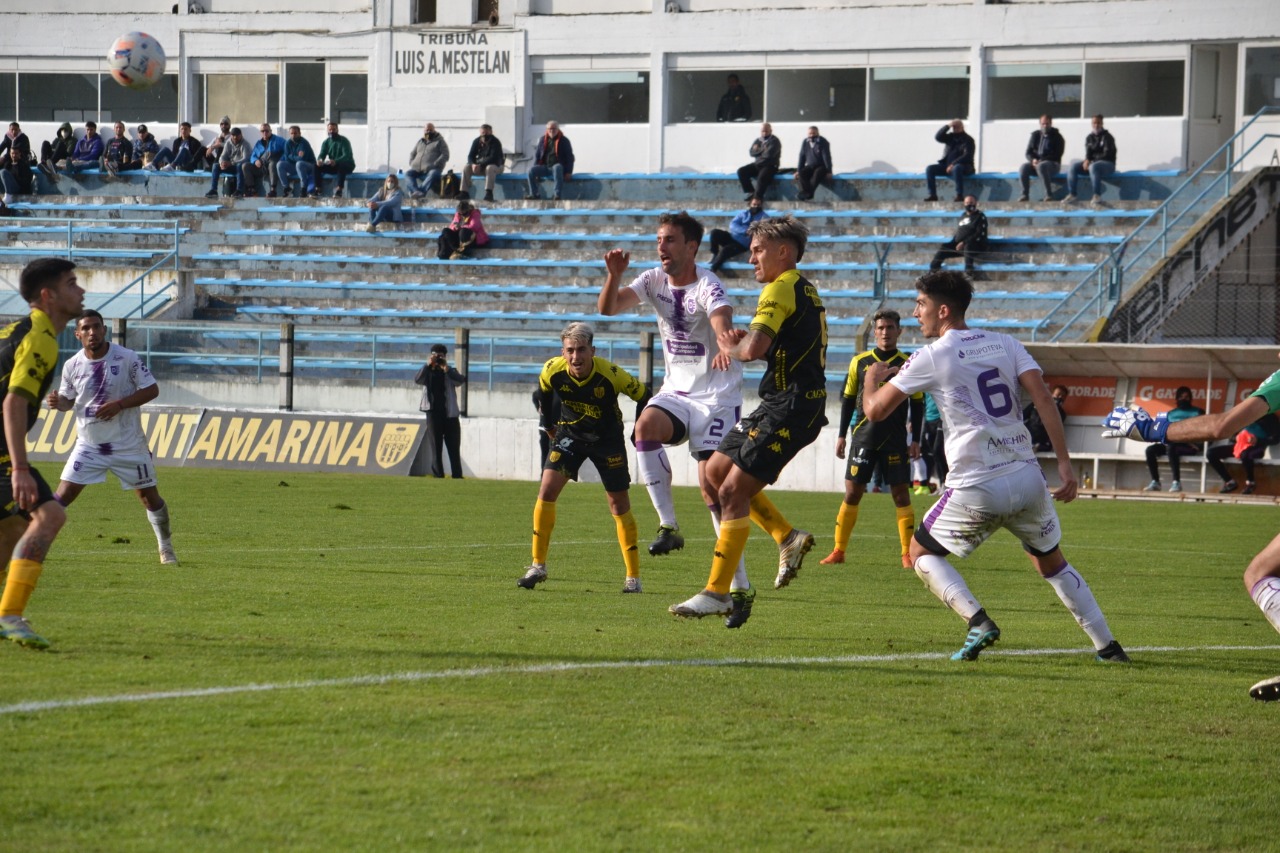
[(136, 60)]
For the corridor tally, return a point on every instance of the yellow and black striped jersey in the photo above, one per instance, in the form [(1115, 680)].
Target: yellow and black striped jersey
[(589, 407), (28, 356), (865, 432), (791, 313)]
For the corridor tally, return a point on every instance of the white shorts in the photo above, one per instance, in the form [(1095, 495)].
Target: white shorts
[(89, 465), (705, 425), (965, 517)]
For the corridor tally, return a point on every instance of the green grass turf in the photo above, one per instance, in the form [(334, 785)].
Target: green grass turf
[(842, 727)]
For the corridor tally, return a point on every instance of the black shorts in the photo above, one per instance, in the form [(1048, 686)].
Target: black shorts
[(763, 442), (895, 465), (609, 455), (10, 507)]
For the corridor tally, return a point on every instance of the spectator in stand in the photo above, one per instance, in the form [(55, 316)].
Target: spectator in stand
[(427, 162), (145, 149), (969, 241), (1250, 445), (213, 153), (298, 164), (554, 159), (384, 206), (1184, 410), (336, 158), (232, 155), (186, 154), (117, 152), (484, 158), (766, 157), (1099, 162), (726, 245), (735, 105), (267, 152), (15, 163), (1040, 441), (88, 151), (957, 159), (464, 232), (1044, 158), (815, 164), (57, 154)]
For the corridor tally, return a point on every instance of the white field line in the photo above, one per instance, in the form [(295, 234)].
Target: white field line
[(538, 669)]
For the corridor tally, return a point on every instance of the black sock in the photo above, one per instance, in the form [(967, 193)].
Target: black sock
[(978, 618)]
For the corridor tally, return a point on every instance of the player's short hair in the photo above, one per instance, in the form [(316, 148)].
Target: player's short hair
[(786, 228), (41, 273), (87, 314), (949, 287), (691, 227), (887, 314), (578, 331)]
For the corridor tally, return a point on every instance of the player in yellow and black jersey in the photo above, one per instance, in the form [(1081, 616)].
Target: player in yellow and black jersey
[(589, 427), (789, 331), (28, 357), (882, 443)]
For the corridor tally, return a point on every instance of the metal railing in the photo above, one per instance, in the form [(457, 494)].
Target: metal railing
[(1104, 285)]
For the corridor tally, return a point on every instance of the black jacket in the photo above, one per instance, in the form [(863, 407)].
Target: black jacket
[(1057, 145), (960, 147), (734, 105), (1100, 146), (971, 230), (815, 152), (484, 153)]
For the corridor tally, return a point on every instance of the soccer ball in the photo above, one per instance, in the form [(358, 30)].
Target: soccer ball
[(136, 60)]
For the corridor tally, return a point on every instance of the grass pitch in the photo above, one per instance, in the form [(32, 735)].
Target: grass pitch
[(346, 663)]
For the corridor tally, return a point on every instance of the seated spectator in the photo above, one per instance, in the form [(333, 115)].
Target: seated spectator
[(213, 153), (814, 168), (554, 159), (969, 241), (427, 161), (385, 204), (1250, 445), (88, 151), (232, 155), (726, 245), (336, 158), (766, 157), (484, 158), (15, 163), (145, 150), (735, 105), (117, 152), (299, 164), (957, 159), (1040, 442), (1182, 411), (459, 236), (1044, 158), (56, 155), (186, 154), (261, 165), (1099, 161)]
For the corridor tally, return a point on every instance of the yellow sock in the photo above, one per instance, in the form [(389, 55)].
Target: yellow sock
[(544, 521), (729, 547), (626, 524), (846, 518), (23, 575), (765, 514), (906, 526)]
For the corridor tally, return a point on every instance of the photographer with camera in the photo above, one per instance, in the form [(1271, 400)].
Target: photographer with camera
[(440, 384)]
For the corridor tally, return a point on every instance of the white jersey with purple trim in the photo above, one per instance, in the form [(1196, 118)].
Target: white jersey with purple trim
[(94, 382), (688, 340), (973, 377)]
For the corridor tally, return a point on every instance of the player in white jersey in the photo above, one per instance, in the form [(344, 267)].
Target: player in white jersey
[(701, 396), (105, 384), (995, 480)]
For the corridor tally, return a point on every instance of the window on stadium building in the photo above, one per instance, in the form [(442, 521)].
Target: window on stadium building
[(927, 93), (423, 12), (304, 100), (58, 97), (8, 94), (817, 94), (1261, 78), (247, 98), (157, 104), (1134, 88), (349, 98), (1034, 89), (591, 97), (694, 96)]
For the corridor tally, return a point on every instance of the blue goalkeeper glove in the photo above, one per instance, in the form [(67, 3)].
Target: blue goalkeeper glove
[(1135, 423)]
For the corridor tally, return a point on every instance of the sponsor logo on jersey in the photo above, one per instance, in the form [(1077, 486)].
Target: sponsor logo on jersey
[(691, 348)]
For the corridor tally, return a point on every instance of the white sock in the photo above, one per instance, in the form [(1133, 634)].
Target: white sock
[(740, 580), (1078, 598), (655, 473), (919, 471), (945, 582), (1266, 594), (160, 524)]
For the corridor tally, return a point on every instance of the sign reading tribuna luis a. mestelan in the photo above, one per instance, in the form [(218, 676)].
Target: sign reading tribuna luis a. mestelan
[(277, 441), (451, 58)]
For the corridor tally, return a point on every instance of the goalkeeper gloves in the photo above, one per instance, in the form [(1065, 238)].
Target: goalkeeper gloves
[(1135, 423)]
